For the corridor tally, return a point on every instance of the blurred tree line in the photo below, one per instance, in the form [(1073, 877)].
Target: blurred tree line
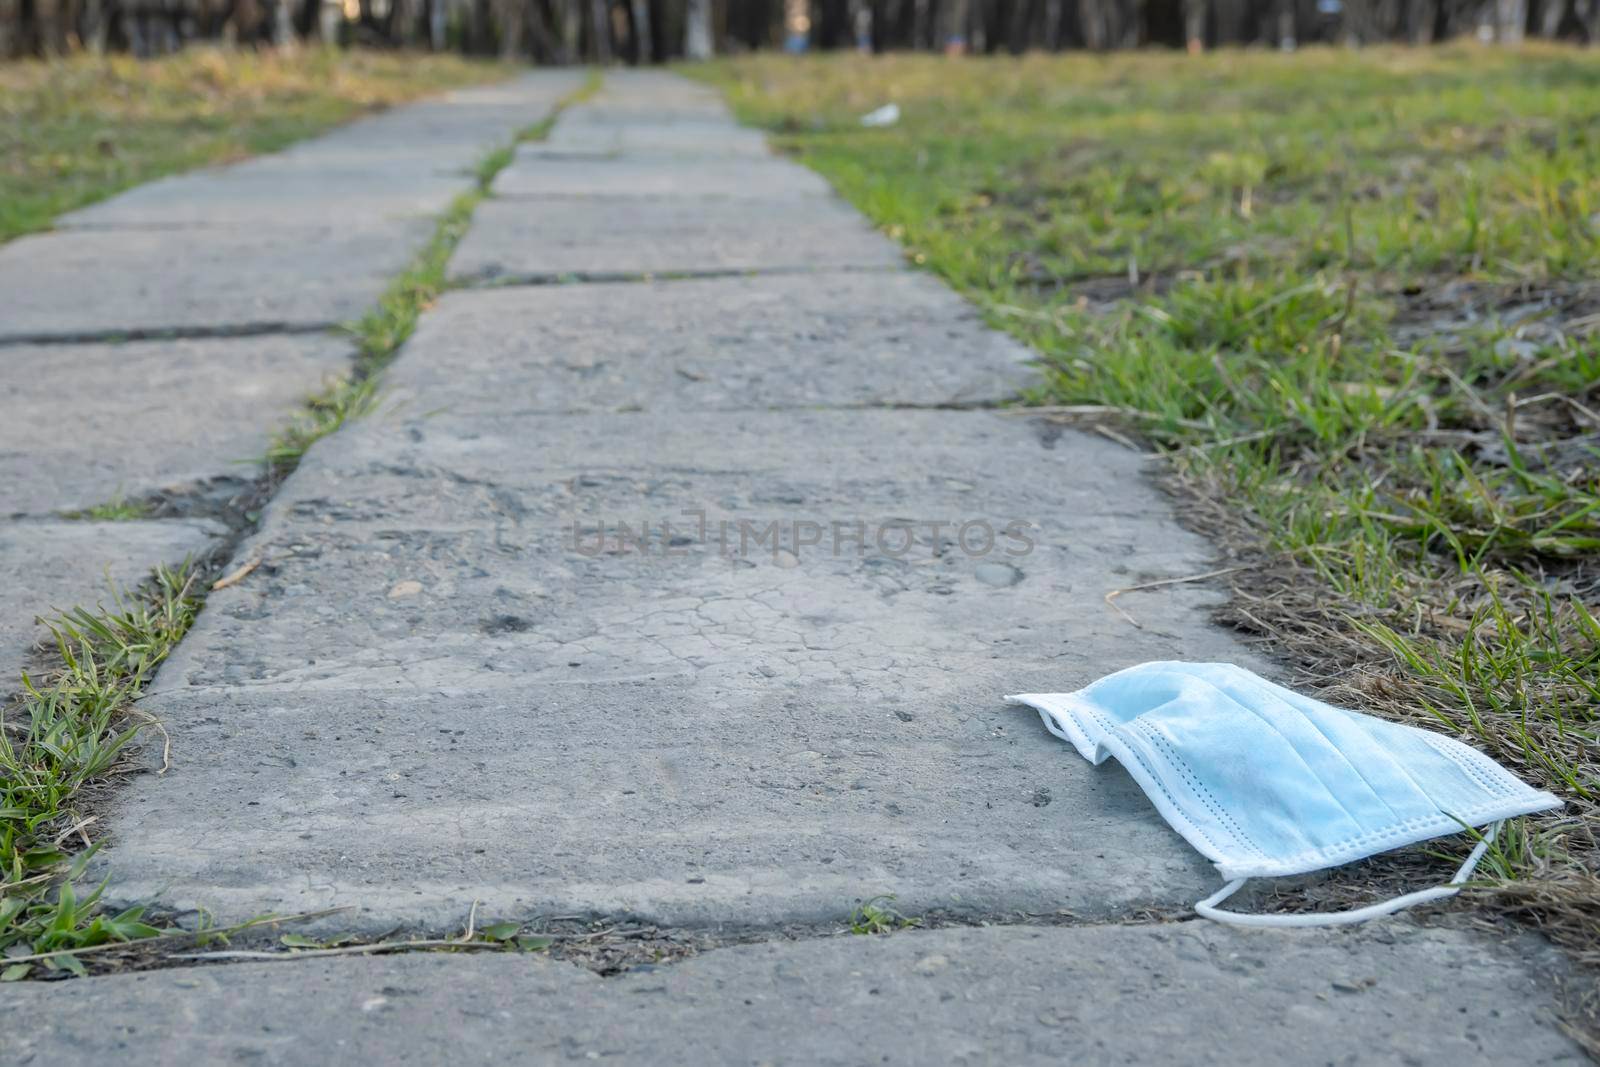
[(648, 31)]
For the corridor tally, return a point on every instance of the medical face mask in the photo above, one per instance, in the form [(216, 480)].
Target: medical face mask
[(1265, 782)]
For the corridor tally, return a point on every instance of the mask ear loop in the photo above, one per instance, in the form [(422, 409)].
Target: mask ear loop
[(1208, 907)]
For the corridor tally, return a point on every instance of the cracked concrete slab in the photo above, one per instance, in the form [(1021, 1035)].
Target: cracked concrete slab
[(152, 282), (148, 415), (826, 339), (1190, 993), (50, 567), (521, 240)]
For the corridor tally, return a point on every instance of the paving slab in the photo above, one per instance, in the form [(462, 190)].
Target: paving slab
[(90, 284), (406, 163), (646, 113), (456, 126), (524, 240), (592, 132), (445, 682), (277, 196), (638, 95), (394, 542), (1189, 993), (533, 173), (303, 239), (49, 567), (88, 424), (826, 339), (670, 800)]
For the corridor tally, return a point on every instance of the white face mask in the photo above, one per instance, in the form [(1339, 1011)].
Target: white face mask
[(1265, 782)]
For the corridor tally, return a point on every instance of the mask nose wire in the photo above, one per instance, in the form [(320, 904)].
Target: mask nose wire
[(1208, 907)]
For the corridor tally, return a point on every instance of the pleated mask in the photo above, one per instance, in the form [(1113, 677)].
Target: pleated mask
[(1265, 782)]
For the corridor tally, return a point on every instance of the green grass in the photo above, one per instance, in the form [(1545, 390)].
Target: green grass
[(879, 916), (77, 130), (67, 731), (117, 509), (1346, 294)]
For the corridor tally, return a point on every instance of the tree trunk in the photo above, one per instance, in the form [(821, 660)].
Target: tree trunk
[(1419, 21), (697, 29), (832, 29), (952, 30), (508, 22), (1550, 13), (639, 16), (1194, 25), (1052, 24), (438, 25), (571, 31), (97, 26), (1227, 20), (1511, 19), (599, 31), (282, 25)]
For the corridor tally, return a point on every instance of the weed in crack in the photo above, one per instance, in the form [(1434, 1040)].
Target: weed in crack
[(117, 509), (65, 732), (879, 916)]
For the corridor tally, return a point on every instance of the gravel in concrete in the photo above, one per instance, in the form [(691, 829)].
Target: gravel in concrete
[(89, 424), (538, 240), (834, 339), (49, 567), (1190, 993)]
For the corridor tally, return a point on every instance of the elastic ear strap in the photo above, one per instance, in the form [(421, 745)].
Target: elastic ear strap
[(1208, 907)]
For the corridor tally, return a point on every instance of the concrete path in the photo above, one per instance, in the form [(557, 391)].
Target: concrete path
[(691, 602), (237, 275)]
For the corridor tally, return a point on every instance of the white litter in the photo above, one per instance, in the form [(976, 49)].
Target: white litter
[(1268, 783), (887, 115)]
